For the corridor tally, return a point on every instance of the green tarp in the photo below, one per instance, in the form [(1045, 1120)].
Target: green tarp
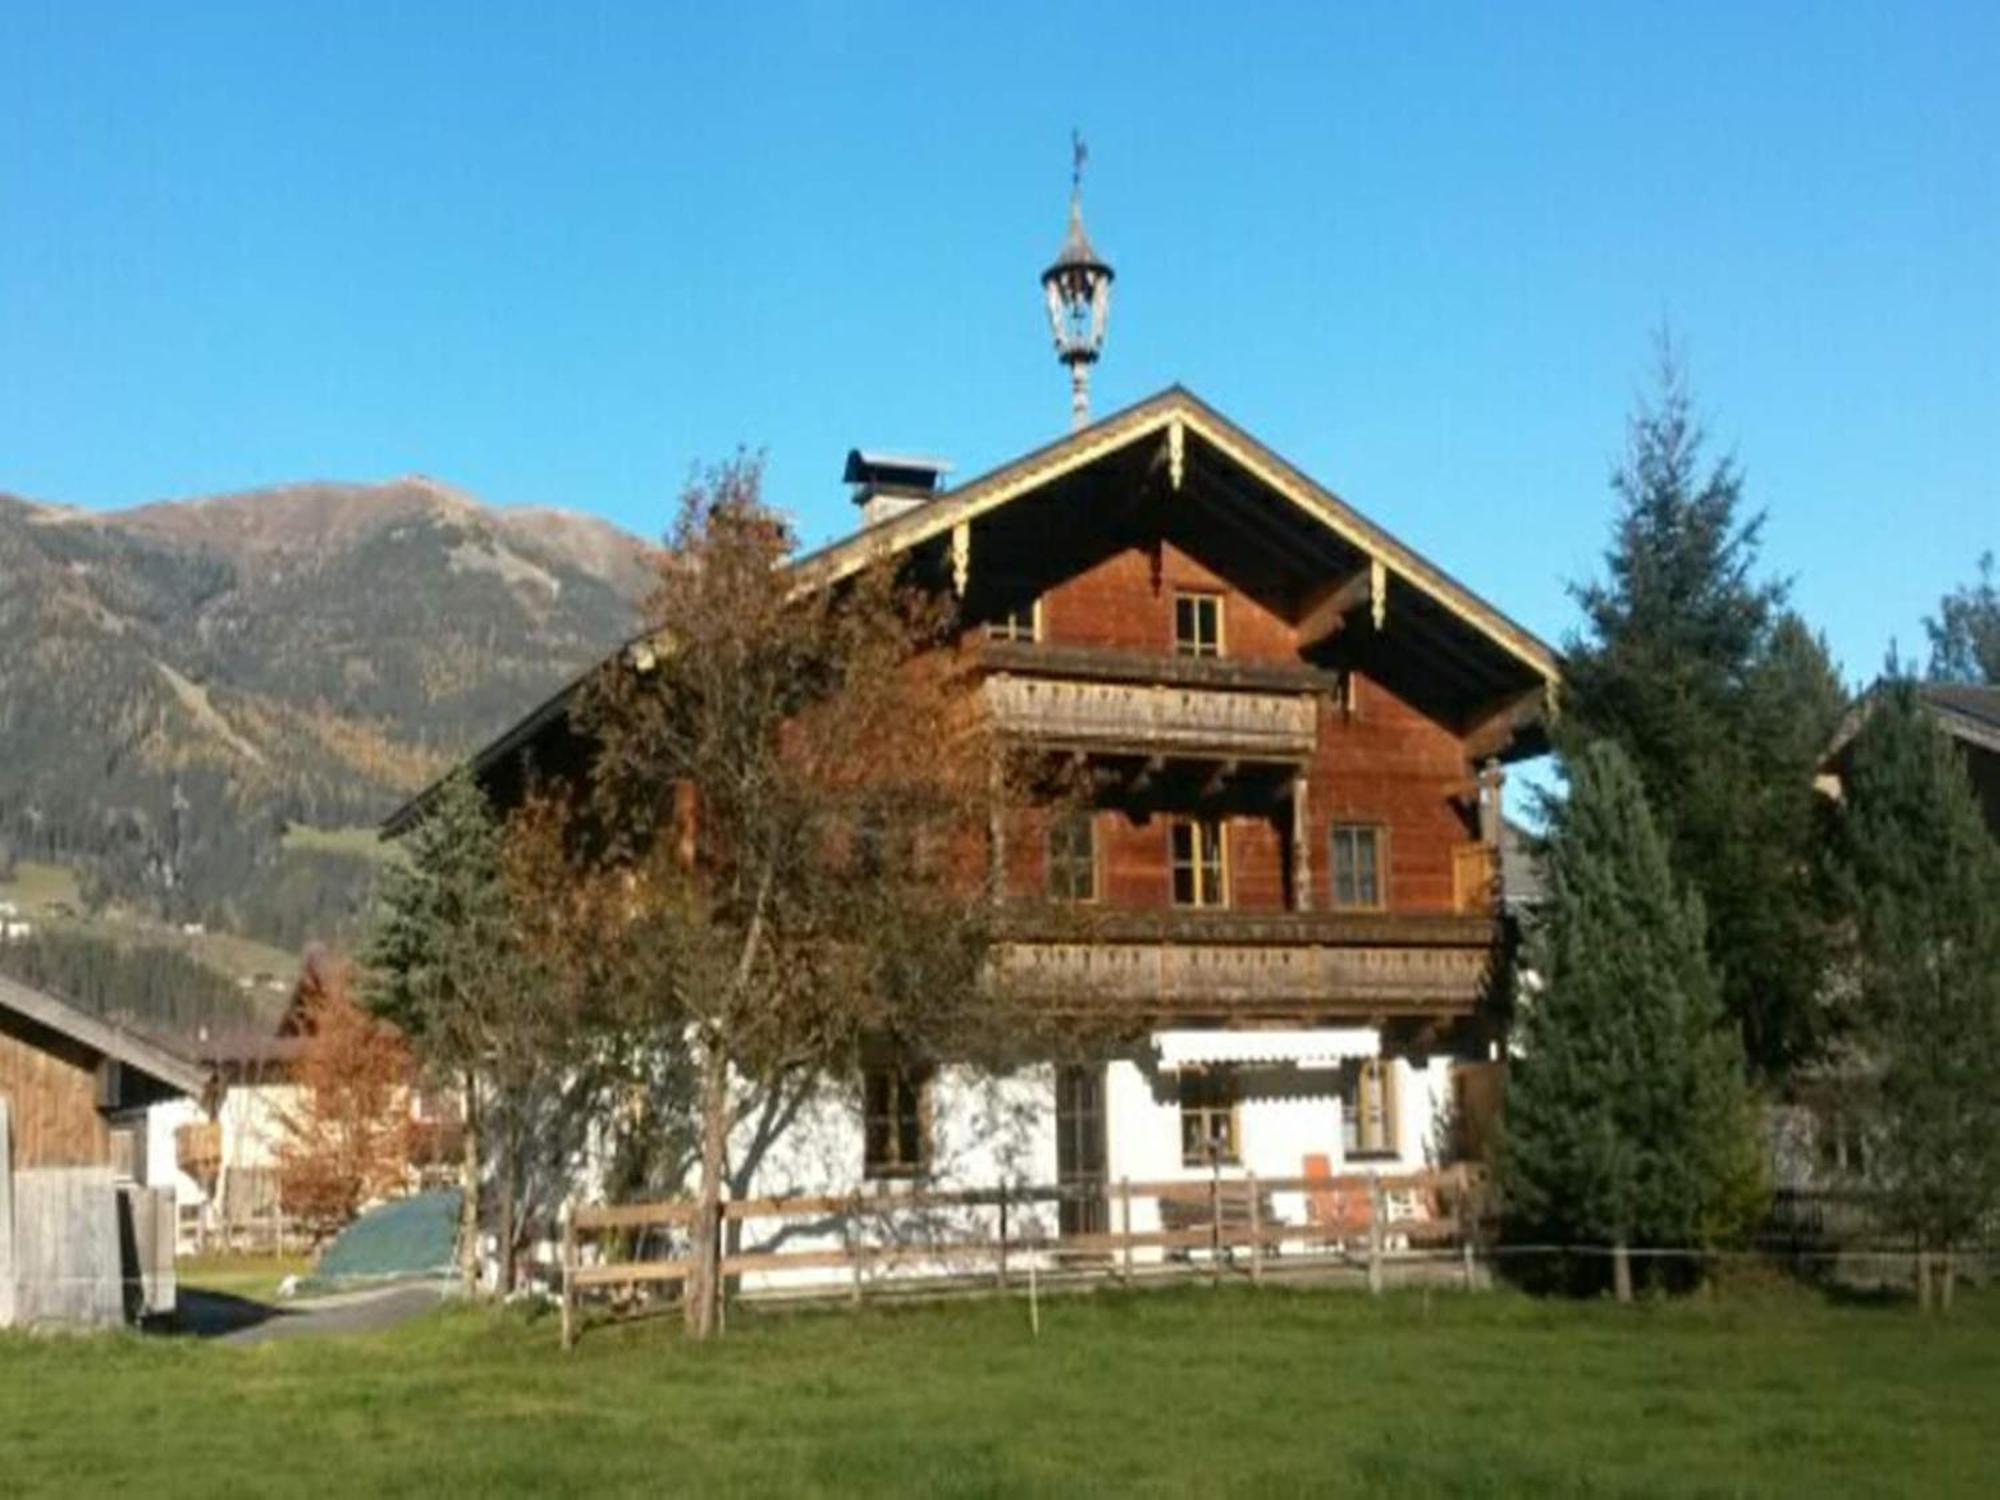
[(408, 1239)]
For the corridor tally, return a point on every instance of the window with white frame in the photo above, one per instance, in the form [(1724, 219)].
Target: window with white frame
[(1198, 624), (1359, 860), (1200, 862), (1073, 857)]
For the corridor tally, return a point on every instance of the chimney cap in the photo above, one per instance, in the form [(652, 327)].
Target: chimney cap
[(900, 470)]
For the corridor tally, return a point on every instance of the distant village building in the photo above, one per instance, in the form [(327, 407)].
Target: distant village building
[(1296, 729)]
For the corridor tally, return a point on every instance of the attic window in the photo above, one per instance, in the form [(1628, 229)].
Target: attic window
[(1198, 624)]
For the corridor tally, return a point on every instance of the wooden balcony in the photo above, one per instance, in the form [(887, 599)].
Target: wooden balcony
[(1153, 718), (1242, 966)]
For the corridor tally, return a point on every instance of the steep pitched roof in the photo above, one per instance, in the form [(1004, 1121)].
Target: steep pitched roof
[(1190, 436), (104, 1037), (1177, 414)]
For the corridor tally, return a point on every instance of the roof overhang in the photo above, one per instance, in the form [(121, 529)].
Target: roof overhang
[(104, 1037), (1175, 416)]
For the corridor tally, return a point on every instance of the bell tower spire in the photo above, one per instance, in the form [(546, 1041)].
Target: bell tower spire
[(1078, 289)]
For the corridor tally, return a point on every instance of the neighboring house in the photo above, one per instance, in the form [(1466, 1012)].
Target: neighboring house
[(82, 1241), (222, 1157), (1299, 726), (1968, 712), (1817, 1134)]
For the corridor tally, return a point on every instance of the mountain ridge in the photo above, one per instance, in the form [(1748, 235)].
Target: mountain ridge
[(183, 681)]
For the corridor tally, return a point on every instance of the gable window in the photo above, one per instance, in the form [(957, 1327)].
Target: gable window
[(1201, 868), (1368, 1119), (896, 1118), (1023, 622), (1198, 624), (1073, 857), (1208, 1118), (1358, 850)]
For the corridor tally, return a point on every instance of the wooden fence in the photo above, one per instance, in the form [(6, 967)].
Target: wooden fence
[(918, 1241)]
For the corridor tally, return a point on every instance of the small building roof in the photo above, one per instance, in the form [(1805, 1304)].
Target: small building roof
[(1967, 711), (104, 1037)]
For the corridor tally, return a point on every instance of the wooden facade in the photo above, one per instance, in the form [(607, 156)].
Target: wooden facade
[(51, 1085), (1292, 726)]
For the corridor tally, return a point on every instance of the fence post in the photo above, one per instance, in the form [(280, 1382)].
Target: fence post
[(1375, 1206), (1467, 1224), (1003, 1236), (854, 1249), (569, 1275), (1215, 1224), (1256, 1231), (1125, 1223)]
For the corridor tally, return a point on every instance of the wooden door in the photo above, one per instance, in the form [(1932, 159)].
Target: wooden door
[(1080, 1149)]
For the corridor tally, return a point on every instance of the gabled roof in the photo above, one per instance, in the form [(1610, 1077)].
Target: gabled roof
[(1176, 415), (103, 1037), (1191, 437)]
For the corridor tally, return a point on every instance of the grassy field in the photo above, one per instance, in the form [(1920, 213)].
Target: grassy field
[(1184, 1392), (35, 888)]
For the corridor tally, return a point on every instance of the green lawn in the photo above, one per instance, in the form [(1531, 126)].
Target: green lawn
[(1190, 1391)]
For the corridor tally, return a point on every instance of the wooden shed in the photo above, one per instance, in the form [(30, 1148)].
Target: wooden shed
[(81, 1239)]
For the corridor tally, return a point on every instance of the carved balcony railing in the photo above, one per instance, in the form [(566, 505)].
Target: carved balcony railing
[(1278, 966), (1153, 718)]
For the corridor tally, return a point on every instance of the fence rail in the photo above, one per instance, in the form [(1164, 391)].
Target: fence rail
[(1356, 1222)]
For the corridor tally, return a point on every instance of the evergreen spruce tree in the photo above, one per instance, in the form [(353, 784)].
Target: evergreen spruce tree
[(1965, 633), (1629, 1121), (1922, 874), (441, 962), (1724, 701)]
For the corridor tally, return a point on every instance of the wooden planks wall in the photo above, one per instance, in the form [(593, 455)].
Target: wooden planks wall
[(1379, 761), (51, 1082), (69, 1270)]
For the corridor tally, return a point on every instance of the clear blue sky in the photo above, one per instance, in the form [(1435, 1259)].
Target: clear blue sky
[(560, 253)]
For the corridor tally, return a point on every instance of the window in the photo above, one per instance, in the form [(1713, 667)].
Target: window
[(1073, 858), (1201, 876), (1198, 624), (896, 1109), (1357, 864), (1208, 1118), (1023, 622), (1368, 1118)]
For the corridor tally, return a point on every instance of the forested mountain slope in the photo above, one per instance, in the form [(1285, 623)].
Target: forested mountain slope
[(182, 683)]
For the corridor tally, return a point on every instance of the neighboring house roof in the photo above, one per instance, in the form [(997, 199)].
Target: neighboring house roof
[(1318, 529), (1967, 711), (104, 1037)]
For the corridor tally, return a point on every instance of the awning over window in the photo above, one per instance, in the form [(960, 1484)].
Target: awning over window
[(1325, 1047)]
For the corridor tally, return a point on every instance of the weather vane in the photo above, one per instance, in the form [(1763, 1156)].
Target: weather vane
[(1079, 155)]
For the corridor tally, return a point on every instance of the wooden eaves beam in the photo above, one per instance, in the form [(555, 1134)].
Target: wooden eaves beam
[(1493, 727), (1326, 615)]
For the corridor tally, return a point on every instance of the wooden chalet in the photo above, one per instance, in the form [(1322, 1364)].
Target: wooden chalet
[(1296, 730)]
